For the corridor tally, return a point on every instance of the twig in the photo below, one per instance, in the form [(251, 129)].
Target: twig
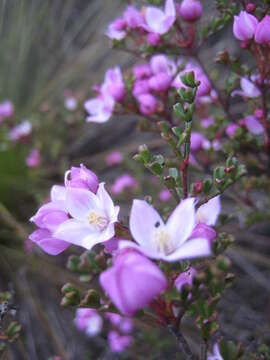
[(182, 343)]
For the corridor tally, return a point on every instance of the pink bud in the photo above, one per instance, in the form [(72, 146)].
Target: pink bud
[(132, 282), (33, 159), (165, 195), (185, 278), (231, 129), (153, 39), (250, 7), (190, 10), (133, 17), (142, 71), (160, 82), (118, 343), (258, 113), (140, 87), (262, 34), (114, 158), (244, 26), (81, 177), (148, 104)]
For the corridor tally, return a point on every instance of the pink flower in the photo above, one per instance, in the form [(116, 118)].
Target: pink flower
[(140, 87), (122, 183), (118, 343), (33, 159), (100, 109), (190, 10), (71, 103), (142, 71), (133, 17), (117, 29), (122, 323), (248, 89), (114, 158), (203, 231), (158, 21), (6, 109), (160, 82), (153, 39), (231, 129), (89, 321), (92, 217), (20, 131), (162, 64), (206, 122), (111, 246), (81, 177), (170, 241), (253, 125), (205, 85), (132, 282), (262, 33), (147, 103), (198, 141), (244, 26), (185, 278), (48, 218), (113, 84), (216, 355), (165, 195)]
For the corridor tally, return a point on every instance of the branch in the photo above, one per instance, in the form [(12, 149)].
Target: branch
[(182, 343)]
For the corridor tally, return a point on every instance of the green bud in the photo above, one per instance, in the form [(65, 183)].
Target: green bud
[(91, 299)]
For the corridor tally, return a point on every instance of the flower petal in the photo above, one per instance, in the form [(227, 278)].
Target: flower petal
[(182, 221), (123, 244), (143, 219), (80, 202), (191, 249), (107, 203), (208, 213), (74, 232)]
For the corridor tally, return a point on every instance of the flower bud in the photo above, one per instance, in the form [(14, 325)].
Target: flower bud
[(190, 10), (244, 26), (250, 7), (148, 104), (262, 34), (81, 177)]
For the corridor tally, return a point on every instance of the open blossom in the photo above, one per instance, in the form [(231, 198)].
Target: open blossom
[(147, 103), (190, 10), (100, 109), (141, 71), (215, 355), (159, 21), (113, 84), (132, 282), (33, 159), (6, 109), (81, 177), (20, 131), (262, 33), (89, 321), (198, 141), (244, 26), (48, 218), (253, 125), (117, 342), (170, 241), (248, 89), (133, 17), (92, 217), (122, 183), (114, 158), (184, 278), (162, 64), (117, 29)]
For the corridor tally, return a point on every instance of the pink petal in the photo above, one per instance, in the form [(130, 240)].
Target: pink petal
[(191, 249), (80, 202), (209, 212), (47, 243)]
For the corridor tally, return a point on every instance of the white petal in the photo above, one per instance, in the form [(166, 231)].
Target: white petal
[(208, 213), (132, 245), (191, 249), (181, 222), (106, 202), (143, 220), (72, 231), (80, 202)]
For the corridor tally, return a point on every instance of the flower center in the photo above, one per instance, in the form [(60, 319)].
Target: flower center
[(98, 221), (162, 241)]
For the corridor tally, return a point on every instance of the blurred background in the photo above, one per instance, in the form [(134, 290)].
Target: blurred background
[(52, 52)]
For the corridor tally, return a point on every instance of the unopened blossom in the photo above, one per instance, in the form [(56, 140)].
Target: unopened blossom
[(117, 342), (89, 321), (185, 278), (20, 131), (160, 21), (124, 324), (132, 282), (244, 26), (71, 103), (6, 109), (111, 246), (92, 217), (141, 71), (33, 159), (81, 177), (259, 113), (117, 29), (113, 84), (147, 103), (262, 33), (164, 195), (160, 82), (170, 241), (122, 183), (253, 125), (215, 355), (190, 10), (100, 109), (48, 218), (133, 17), (153, 39), (248, 89), (231, 129), (114, 158), (140, 87), (162, 64)]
